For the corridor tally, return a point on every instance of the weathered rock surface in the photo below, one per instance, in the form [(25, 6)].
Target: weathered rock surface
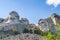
[(49, 23), (12, 22), (25, 37)]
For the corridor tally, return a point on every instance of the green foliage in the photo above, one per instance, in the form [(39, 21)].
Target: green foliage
[(7, 35), (30, 31), (15, 32), (58, 36), (38, 31), (48, 34), (51, 36), (25, 30), (58, 26)]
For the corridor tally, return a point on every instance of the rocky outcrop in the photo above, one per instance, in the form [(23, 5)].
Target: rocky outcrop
[(49, 23), (31, 27), (26, 36), (24, 21), (43, 25), (12, 18), (55, 18), (12, 22)]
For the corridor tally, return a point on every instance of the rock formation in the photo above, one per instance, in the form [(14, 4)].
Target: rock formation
[(12, 22), (55, 18), (43, 25), (26, 36), (49, 23)]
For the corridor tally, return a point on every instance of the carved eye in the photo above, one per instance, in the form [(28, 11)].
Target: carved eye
[(42, 22), (55, 16), (12, 18)]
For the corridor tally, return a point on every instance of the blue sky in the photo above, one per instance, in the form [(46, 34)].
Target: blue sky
[(33, 10)]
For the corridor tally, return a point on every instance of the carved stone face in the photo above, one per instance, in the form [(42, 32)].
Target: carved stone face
[(43, 25), (24, 20), (14, 15)]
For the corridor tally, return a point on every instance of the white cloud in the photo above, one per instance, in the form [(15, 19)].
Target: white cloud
[(55, 3)]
